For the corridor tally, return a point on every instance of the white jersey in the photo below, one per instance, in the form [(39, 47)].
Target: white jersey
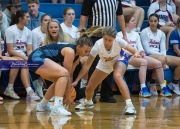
[(134, 41), (20, 38), (170, 2), (71, 31), (127, 3), (153, 43), (37, 38), (108, 57), (164, 16)]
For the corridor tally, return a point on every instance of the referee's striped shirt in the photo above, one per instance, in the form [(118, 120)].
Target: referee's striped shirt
[(101, 12)]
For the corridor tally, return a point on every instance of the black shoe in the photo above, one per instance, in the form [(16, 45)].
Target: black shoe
[(108, 100), (94, 99)]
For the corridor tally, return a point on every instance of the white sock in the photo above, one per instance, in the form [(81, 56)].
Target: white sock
[(162, 85), (10, 86), (58, 100), (88, 101), (44, 101), (128, 101), (28, 89), (143, 85)]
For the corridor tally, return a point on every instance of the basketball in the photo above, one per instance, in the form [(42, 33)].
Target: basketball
[(72, 93)]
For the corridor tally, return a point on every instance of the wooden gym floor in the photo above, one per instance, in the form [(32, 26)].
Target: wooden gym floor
[(152, 113)]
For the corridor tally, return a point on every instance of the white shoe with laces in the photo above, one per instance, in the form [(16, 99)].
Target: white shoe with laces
[(32, 96), (130, 110), (174, 88), (59, 110), (83, 106), (11, 93)]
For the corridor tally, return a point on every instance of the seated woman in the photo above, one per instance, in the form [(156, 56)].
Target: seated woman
[(164, 11), (9, 91), (144, 62), (19, 46), (67, 25), (130, 8), (48, 57), (38, 35), (55, 34), (174, 4), (174, 53), (153, 41), (108, 49)]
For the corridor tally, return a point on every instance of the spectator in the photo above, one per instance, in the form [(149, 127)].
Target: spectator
[(144, 62), (164, 11), (153, 41), (38, 35), (130, 8), (55, 34), (35, 15), (3, 23), (19, 46), (67, 25), (174, 4), (12, 7), (174, 53)]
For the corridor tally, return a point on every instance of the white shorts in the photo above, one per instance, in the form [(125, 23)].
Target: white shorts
[(107, 68)]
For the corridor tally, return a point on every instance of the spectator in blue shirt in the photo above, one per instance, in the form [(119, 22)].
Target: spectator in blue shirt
[(35, 15)]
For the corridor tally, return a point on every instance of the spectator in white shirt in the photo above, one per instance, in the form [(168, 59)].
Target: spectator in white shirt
[(144, 62), (19, 45), (67, 25), (153, 41), (39, 33)]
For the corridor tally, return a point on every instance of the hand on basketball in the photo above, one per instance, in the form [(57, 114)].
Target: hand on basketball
[(74, 84), (67, 101)]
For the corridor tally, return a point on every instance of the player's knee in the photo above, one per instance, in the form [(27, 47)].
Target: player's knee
[(63, 72), (117, 76), (143, 62)]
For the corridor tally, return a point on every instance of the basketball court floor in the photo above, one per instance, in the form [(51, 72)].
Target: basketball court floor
[(152, 113)]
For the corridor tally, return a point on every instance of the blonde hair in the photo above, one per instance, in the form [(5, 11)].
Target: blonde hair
[(98, 31), (94, 31), (62, 37)]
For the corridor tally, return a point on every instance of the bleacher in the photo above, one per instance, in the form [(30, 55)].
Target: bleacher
[(56, 11)]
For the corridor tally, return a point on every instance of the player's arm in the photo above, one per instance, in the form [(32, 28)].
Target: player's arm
[(69, 55)]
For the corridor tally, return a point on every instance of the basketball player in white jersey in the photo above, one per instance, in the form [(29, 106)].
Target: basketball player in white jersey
[(111, 59), (130, 8), (164, 11), (153, 41), (144, 62), (175, 4)]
